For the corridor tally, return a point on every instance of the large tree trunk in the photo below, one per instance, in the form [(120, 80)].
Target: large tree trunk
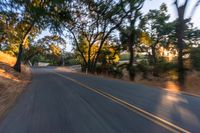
[(131, 69), (17, 66), (89, 59), (93, 69), (131, 55), (180, 28), (154, 60), (181, 71)]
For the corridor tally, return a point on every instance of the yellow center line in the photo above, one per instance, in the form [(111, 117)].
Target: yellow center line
[(168, 125)]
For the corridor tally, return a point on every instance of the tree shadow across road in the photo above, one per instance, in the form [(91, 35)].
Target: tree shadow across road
[(180, 109)]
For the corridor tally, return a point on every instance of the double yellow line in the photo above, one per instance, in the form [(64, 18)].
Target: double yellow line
[(168, 125)]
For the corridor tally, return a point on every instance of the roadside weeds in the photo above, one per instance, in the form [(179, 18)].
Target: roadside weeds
[(12, 83), (191, 88)]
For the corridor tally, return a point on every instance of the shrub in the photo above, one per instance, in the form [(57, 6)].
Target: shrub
[(123, 66), (132, 72), (99, 69), (83, 67), (72, 61), (117, 73), (164, 66), (109, 68), (124, 56), (144, 68), (195, 58), (113, 70)]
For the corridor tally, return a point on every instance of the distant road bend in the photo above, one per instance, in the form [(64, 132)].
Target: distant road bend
[(66, 102)]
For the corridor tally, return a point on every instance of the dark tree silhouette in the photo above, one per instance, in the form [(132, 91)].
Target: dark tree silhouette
[(180, 34)]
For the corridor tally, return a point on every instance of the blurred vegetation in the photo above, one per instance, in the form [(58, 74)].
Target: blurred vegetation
[(113, 39), (195, 58), (124, 56)]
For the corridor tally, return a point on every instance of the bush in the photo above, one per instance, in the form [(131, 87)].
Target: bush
[(132, 72), (113, 70), (71, 62), (123, 66), (117, 73), (110, 68), (99, 69), (144, 68), (164, 66), (83, 67), (195, 58), (124, 56)]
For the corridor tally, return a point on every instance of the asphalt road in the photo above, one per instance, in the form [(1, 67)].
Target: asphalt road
[(64, 102)]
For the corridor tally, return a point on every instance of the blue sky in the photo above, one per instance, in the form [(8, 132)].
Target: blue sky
[(155, 4)]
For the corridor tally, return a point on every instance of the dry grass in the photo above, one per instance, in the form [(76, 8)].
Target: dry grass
[(167, 81), (12, 83), (192, 83), (7, 59)]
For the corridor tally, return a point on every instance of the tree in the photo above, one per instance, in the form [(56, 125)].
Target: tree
[(37, 14), (128, 30), (195, 58), (102, 18), (109, 53), (49, 45), (9, 32), (180, 34), (111, 16), (158, 30)]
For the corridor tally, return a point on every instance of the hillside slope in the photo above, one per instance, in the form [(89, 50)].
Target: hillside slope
[(12, 83)]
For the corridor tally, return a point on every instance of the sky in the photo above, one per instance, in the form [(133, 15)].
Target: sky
[(155, 4)]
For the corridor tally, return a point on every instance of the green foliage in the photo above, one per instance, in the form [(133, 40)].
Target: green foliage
[(83, 67), (99, 68), (33, 16), (195, 58), (124, 56), (95, 26), (123, 66), (143, 67), (157, 19), (157, 32), (132, 72), (71, 59), (109, 54), (110, 69), (164, 66), (118, 73), (46, 49), (115, 71)]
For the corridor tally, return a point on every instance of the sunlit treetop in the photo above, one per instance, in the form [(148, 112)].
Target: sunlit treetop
[(40, 13)]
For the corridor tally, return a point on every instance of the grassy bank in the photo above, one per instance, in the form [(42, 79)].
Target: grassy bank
[(12, 83)]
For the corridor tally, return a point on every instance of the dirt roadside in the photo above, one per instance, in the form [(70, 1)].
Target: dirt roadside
[(192, 84), (12, 83)]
